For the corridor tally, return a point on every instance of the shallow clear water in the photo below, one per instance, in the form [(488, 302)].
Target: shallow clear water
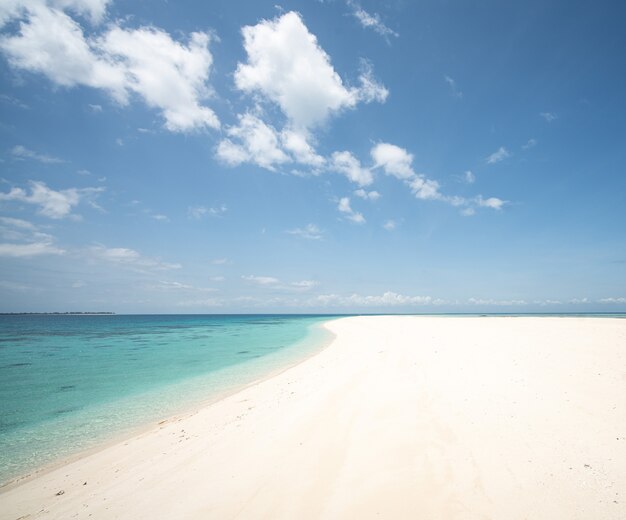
[(68, 383)]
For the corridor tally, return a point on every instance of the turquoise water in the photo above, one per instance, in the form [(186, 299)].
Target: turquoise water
[(68, 383)]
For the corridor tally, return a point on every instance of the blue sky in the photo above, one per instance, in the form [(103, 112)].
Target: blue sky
[(335, 156)]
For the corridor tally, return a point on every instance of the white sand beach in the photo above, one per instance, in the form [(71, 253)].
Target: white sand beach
[(400, 417)]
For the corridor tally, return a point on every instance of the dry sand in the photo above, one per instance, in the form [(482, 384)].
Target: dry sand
[(400, 417)]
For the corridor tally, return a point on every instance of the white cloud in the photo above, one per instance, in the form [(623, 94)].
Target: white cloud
[(52, 204), (220, 261), (367, 195), (162, 218), (168, 75), (310, 231), (217, 278), (499, 155), (394, 160), (453, 87), (18, 223), (305, 284), (370, 90), (371, 21), (95, 108), (387, 299), (261, 280), (469, 177), (390, 225), (427, 189), (549, 116), (94, 9), (164, 285), (491, 202), (130, 257), (287, 66), (354, 216), (204, 302), (43, 247), (530, 144), (297, 144), (21, 152), (345, 163), (480, 301), (612, 300), (468, 212), (256, 142), (30, 241), (198, 212)]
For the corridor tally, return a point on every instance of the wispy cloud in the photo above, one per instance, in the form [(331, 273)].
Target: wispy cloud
[(51, 203), (499, 155), (531, 143), (390, 225), (387, 299), (129, 257), (371, 21), (31, 249), (310, 231), (491, 202), (198, 212), (469, 177), (26, 239), (549, 116), (20, 152), (261, 280), (454, 89)]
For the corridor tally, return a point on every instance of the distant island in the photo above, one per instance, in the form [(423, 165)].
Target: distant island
[(52, 313)]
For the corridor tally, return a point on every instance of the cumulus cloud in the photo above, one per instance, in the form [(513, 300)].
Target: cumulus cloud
[(499, 155), (51, 203), (287, 66), (21, 152), (347, 164), (310, 232), (168, 75), (367, 195), (345, 208), (252, 140), (395, 161)]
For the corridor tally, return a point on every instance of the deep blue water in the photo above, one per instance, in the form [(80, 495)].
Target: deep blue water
[(68, 383)]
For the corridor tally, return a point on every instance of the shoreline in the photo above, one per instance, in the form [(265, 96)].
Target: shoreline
[(183, 412), (397, 416)]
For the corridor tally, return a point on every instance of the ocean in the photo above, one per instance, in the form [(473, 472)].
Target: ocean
[(71, 382)]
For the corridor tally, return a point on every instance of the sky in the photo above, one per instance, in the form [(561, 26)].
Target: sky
[(334, 156)]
